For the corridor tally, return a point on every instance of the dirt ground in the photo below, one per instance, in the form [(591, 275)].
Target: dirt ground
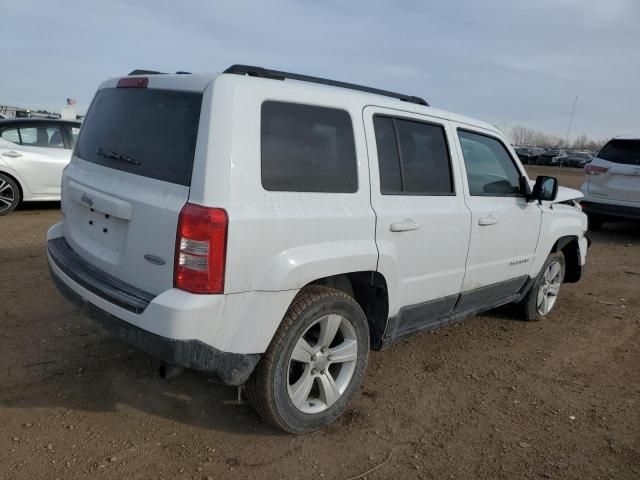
[(489, 398)]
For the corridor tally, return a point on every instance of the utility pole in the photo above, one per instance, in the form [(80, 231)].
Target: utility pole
[(573, 110), (566, 138)]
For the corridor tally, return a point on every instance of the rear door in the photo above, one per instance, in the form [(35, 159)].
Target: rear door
[(129, 179), (39, 157), (621, 181), (422, 222)]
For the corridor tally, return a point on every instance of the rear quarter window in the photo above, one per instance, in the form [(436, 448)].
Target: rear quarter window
[(307, 149)]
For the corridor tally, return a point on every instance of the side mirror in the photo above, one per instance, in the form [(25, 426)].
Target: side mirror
[(525, 187), (546, 188)]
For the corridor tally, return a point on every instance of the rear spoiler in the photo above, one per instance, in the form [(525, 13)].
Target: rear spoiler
[(153, 72)]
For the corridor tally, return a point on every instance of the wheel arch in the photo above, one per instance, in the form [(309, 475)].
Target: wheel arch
[(369, 290), (570, 248)]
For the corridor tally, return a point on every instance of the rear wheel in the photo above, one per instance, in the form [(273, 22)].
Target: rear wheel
[(9, 194), (314, 364), (542, 296)]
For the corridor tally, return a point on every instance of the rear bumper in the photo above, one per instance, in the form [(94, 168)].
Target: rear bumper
[(610, 210), (86, 288)]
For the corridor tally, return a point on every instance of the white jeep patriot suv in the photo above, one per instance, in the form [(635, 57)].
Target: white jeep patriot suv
[(269, 228)]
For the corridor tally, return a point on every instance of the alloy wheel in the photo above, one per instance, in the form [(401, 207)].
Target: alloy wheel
[(322, 364), (7, 195), (550, 287)]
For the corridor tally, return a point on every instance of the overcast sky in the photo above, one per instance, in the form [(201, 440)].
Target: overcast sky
[(505, 61)]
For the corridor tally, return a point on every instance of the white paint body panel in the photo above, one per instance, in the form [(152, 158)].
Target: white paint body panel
[(506, 248), (620, 185), (37, 169), (427, 263), (279, 242)]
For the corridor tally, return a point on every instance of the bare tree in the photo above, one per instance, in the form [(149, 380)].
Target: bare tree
[(522, 136), (528, 137), (580, 143)]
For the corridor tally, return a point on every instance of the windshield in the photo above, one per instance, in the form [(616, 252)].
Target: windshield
[(621, 151), (146, 132)]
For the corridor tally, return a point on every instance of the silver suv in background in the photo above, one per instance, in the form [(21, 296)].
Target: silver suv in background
[(612, 185)]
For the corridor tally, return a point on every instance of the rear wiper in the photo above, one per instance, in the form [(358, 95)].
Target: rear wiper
[(103, 152)]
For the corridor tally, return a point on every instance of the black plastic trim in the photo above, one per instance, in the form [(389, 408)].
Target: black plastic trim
[(605, 209), (423, 316), (95, 280), (226, 367), (476, 300), (261, 72), (454, 308), (142, 71)]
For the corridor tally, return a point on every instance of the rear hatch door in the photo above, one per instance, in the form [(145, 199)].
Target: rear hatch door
[(128, 180), (621, 181)]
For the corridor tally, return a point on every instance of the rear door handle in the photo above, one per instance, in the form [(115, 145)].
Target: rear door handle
[(404, 226), (12, 154), (488, 220)]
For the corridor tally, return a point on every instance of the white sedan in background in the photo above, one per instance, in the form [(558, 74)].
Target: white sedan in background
[(33, 153)]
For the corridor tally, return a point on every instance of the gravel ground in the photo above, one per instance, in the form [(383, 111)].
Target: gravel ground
[(488, 398)]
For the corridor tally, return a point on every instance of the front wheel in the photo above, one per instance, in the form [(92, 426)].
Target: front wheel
[(314, 364), (542, 296)]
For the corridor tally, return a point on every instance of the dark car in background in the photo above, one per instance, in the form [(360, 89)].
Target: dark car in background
[(577, 159), (552, 156), (529, 155)]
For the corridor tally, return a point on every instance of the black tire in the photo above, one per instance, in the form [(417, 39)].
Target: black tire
[(9, 194), (595, 222), (527, 308), (267, 389)]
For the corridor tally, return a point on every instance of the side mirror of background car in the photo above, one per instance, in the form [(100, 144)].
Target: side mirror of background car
[(546, 188)]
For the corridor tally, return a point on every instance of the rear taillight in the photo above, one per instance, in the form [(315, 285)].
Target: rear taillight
[(594, 169), (201, 249)]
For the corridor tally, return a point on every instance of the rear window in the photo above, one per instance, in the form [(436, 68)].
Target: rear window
[(621, 151), (142, 131), (307, 149)]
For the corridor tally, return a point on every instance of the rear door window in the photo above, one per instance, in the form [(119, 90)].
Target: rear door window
[(621, 151), (42, 136), (413, 157), (146, 132), (307, 149)]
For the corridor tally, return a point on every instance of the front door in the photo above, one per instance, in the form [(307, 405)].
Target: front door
[(504, 225)]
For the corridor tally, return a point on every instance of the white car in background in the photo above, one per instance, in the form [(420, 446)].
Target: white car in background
[(33, 153), (612, 185)]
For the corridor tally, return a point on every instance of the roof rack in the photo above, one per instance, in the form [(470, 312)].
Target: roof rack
[(277, 75)]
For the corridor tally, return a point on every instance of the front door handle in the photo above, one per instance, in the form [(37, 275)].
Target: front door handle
[(488, 220), (404, 226), (12, 154)]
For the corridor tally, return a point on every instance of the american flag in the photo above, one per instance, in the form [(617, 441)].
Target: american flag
[(71, 101)]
